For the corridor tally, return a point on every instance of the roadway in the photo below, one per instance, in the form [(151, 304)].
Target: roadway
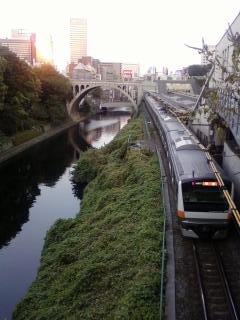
[(179, 100)]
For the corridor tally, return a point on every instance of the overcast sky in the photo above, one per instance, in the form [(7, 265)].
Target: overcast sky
[(151, 33)]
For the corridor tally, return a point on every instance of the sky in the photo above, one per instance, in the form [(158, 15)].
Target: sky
[(151, 33)]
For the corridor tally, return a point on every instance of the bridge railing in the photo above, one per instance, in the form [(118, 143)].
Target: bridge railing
[(106, 82)]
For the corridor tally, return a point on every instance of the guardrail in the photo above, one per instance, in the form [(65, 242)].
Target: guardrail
[(163, 259)]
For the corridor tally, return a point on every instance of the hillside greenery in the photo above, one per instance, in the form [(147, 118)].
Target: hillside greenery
[(105, 263), (30, 96)]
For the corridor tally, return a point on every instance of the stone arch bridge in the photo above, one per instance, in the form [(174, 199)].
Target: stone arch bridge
[(132, 90)]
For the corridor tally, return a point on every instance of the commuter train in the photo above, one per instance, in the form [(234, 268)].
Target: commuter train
[(201, 207)]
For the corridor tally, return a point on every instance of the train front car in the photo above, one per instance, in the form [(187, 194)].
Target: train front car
[(202, 208)]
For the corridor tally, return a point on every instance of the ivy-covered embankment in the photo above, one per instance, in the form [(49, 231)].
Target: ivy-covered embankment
[(105, 263)]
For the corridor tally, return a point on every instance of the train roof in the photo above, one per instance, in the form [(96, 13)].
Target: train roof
[(189, 159)]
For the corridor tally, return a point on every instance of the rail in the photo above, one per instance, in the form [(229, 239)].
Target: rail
[(211, 274), (226, 285), (203, 299)]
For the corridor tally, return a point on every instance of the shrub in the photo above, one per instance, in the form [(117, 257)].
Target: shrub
[(24, 136)]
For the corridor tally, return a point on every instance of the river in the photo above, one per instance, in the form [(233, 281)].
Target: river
[(36, 190)]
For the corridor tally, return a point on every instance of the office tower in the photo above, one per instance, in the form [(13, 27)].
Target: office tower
[(23, 44), (78, 39)]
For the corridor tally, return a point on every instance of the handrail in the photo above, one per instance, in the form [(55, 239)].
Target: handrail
[(161, 311)]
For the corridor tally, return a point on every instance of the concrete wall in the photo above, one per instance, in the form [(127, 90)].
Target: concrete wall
[(182, 87), (200, 126)]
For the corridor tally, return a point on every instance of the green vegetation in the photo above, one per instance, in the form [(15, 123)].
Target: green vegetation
[(30, 96), (198, 70), (26, 135), (105, 263), (5, 142)]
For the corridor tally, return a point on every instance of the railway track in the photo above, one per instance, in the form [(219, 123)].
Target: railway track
[(178, 109), (215, 290), (212, 266)]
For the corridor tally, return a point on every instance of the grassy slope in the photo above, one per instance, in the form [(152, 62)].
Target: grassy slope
[(105, 263)]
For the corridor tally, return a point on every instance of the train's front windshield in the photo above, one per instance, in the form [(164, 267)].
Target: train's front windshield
[(203, 196)]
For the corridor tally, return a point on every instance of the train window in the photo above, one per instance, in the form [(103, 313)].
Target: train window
[(203, 197)]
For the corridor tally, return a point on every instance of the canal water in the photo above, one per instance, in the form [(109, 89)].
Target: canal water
[(36, 190)]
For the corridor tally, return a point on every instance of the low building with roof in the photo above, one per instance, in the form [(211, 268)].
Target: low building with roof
[(83, 72)]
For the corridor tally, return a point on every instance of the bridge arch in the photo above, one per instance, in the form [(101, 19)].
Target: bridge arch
[(73, 107), (76, 89)]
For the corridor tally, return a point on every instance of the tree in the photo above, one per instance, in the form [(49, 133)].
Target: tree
[(30, 95), (3, 87), (215, 97), (56, 90), (21, 90), (198, 70)]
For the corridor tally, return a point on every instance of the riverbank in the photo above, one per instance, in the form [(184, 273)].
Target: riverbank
[(105, 263), (15, 150)]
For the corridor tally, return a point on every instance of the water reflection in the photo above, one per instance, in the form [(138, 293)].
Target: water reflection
[(35, 190), (45, 164), (20, 180), (102, 129)]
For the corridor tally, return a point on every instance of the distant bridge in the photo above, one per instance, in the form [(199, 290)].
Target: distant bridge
[(132, 90)]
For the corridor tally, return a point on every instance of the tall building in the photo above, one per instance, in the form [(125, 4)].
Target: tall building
[(78, 39), (23, 44)]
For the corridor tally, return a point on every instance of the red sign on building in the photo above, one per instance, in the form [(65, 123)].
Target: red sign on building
[(128, 73)]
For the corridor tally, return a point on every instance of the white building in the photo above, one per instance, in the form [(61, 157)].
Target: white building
[(78, 39), (228, 103), (224, 50), (204, 58)]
